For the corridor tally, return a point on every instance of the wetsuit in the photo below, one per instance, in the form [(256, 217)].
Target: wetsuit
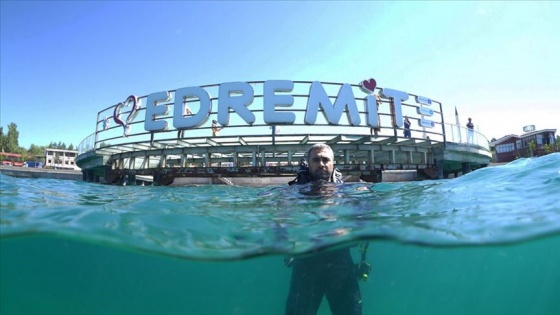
[(331, 274)]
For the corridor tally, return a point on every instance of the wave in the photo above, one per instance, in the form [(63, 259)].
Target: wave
[(494, 205)]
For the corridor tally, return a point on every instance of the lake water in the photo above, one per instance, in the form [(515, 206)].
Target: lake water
[(484, 243)]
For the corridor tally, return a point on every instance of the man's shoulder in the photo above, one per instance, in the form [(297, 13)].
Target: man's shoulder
[(303, 177)]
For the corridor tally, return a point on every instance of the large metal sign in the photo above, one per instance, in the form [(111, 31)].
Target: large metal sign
[(234, 98)]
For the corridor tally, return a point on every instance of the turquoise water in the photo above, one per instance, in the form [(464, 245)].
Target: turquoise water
[(484, 243)]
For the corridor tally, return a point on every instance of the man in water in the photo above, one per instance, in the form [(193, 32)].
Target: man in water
[(330, 273)]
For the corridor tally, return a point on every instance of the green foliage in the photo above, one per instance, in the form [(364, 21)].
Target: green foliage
[(548, 148), (57, 159), (11, 144), (2, 140), (532, 147), (35, 150), (60, 145)]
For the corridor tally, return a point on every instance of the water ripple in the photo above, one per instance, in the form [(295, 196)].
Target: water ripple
[(500, 204)]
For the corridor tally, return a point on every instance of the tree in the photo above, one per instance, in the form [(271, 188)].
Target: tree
[(35, 150), (58, 145), (532, 148), (71, 147), (57, 159), (548, 148), (12, 143), (3, 139)]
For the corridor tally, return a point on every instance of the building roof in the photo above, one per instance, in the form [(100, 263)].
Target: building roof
[(530, 133), (527, 134), (503, 139), (60, 150)]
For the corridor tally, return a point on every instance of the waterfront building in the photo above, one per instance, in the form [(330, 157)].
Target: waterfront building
[(512, 147), (11, 159), (60, 159)]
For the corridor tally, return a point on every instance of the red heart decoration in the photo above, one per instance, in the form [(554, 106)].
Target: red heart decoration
[(368, 86)]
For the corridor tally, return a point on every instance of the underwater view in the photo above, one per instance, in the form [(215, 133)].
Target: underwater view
[(487, 242)]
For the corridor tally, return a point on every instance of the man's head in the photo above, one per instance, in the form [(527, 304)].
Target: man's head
[(320, 159)]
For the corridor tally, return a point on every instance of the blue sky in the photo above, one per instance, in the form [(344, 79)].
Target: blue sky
[(62, 62)]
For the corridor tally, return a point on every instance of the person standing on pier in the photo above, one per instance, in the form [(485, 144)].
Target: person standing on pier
[(406, 127), (215, 128), (376, 130), (470, 131)]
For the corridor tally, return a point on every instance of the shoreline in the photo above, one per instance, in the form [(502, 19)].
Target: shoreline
[(19, 172), (30, 172)]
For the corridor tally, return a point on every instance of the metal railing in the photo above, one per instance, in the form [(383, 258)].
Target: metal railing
[(462, 135), (88, 144), (109, 134)]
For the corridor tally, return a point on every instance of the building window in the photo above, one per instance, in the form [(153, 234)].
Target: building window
[(518, 144), (539, 139), (504, 148)]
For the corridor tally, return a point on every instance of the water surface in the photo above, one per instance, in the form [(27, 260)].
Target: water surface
[(484, 243)]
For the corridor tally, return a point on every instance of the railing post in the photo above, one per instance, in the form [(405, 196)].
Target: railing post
[(442, 125), (96, 131)]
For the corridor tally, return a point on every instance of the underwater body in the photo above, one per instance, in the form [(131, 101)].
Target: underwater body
[(487, 242)]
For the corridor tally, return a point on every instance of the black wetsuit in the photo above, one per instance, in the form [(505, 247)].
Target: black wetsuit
[(330, 273)]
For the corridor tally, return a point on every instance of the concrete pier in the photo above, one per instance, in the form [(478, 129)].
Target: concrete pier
[(174, 148), (27, 172)]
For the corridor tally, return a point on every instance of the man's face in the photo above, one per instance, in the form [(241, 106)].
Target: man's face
[(321, 164)]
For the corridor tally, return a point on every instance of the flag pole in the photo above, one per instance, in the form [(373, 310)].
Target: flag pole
[(458, 124)]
